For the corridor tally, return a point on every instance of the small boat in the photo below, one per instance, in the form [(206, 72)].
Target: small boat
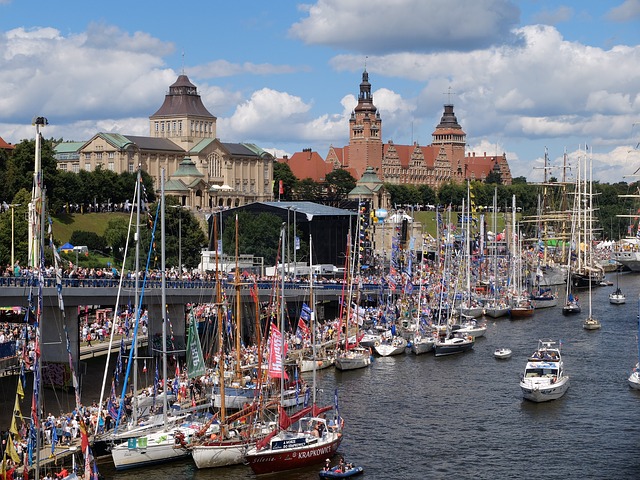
[(392, 346), (502, 353), (591, 324), (341, 472), (634, 378), (617, 297), (544, 378)]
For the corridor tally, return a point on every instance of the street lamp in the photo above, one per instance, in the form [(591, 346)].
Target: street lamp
[(13, 262)]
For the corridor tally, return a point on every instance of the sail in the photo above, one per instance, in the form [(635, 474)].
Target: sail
[(195, 359)]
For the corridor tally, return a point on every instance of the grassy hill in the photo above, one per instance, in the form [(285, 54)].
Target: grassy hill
[(64, 225)]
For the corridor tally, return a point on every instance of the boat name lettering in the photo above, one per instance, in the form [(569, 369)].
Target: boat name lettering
[(292, 442)]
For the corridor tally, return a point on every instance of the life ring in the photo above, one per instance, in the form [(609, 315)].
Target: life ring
[(377, 343), (179, 439)]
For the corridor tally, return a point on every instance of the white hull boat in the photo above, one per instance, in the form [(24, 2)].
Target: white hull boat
[(634, 378), (353, 359), (422, 344), (394, 346), (221, 455), (544, 379), (502, 353), (617, 297), (158, 447), (591, 324)]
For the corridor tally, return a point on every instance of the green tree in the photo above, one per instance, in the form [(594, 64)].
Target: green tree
[(339, 183), (185, 238), (116, 236), (452, 194), (20, 232), (258, 235), (308, 190), (282, 171), (21, 164)]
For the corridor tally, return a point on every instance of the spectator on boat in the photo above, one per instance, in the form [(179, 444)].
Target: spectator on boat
[(327, 465)]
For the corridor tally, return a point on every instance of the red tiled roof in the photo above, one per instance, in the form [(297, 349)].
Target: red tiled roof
[(308, 164), (6, 146)]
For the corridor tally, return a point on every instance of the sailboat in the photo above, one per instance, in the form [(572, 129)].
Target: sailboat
[(315, 439), (617, 297), (168, 442), (227, 445), (357, 356), (497, 306), (521, 305), (590, 323)]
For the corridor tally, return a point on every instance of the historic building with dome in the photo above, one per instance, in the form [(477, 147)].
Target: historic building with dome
[(202, 171)]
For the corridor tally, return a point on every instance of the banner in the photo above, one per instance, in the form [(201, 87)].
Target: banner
[(195, 359), (276, 353)]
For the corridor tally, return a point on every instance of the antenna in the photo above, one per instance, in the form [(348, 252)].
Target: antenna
[(365, 61), (182, 62)]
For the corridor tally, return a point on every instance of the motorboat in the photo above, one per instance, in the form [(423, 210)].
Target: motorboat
[(502, 353), (544, 378), (451, 343), (521, 308)]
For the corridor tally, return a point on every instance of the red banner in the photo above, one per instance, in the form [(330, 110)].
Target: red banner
[(276, 353)]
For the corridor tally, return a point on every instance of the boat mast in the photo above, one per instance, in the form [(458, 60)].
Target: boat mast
[(219, 310), (238, 371), (137, 300), (313, 320), (164, 298), (282, 332)]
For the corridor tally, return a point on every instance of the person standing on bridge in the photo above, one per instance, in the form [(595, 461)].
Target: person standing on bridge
[(89, 339)]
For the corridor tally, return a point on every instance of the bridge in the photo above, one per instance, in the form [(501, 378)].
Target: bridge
[(15, 291)]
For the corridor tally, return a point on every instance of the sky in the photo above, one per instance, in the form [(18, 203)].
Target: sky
[(524, 76)]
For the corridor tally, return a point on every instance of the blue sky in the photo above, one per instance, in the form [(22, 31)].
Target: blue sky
[(525, 75)]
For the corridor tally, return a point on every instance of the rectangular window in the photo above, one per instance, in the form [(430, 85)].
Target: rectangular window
[(63, 167), (157, 127), (87, 156), (112, 166), (112, 154), (99, 155), (131, 167), (87, 166), (75, 168)]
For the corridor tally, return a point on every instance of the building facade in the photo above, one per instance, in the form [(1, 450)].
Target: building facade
[(444, 161), (203, 172)]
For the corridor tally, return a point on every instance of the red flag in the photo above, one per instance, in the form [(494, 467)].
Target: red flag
[(84, 439), (281, 188), (303, 327), (254, 292)]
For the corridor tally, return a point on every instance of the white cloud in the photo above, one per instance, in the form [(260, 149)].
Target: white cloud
[(628, 11), (377, 26), (60, 77)]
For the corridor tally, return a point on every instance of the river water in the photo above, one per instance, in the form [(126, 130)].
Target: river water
[(463, 416)]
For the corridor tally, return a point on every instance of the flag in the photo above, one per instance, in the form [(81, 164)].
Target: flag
[(307, 395), (11, 450), (195, 359), (84, 438), (280, 187), (295, 376), (335, 402), (54, 438), (277, 352)]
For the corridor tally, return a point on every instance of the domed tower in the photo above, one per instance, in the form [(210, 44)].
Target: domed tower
[(451, 138), (365, 132), (183, 118)]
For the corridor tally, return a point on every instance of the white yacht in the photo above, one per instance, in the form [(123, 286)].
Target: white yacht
[(544, 378)]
